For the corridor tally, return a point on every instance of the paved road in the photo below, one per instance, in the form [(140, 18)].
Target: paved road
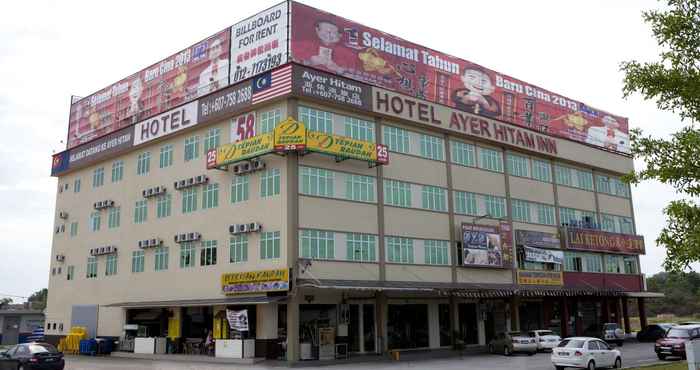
[(633, 354)]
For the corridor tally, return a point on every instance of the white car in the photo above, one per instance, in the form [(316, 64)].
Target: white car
[(545, 339), (585, 353)]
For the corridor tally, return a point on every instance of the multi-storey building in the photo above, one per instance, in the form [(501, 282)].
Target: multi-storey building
[(335, 208)]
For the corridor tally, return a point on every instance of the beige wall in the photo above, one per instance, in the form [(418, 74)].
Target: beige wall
[(614, 205), (532, 190), (396, 272), (315, 213), (341, 270), (576, 198), (415, 169), (478, 181), (415, 223)]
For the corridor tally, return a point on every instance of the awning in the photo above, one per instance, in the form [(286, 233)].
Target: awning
[(644, 295), (232, 301), (365, 285)]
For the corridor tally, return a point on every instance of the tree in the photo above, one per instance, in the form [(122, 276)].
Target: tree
[(4, 302), (38, 299), (673, 82)]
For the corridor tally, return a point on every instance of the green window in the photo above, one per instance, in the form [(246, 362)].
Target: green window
[(98, 177), (521, 210), (76, 186), (143, 164), (359, 188), (70, 273), (607, 223), (465, 203), (573, 262), (207, 254), (495, 206), (463, 153), (238, 248), (162, 255), (589, 215), (545, 214), (490, 159), (95, 221), (585, 180), (212, 139), (117, 171), (603, 184), (626, 226), (359, 129), (91, 271), (317, 244), (518, 165), (594, 263), (399, 250), (269, 120), (397, 193), (396, 139), (239, 188), (436, 252), (270, 182), (630, 264), (137, 261), (361, 247), (563, 175), (189, 200), (111, 265), (73, 229), (316, 120), (620, 187), (567, 215), (270, 245), (187, 256), (316, 181), (140, 211), (210, 196), (191, 148), (164, 205), (613, 264), (541, 170), (432, 147), (113, 218), (166, 156), (434, 198)]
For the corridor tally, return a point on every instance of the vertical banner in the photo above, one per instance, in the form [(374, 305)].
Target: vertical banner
[(237, 320), (340, 46), (195, 71), (259, 43)]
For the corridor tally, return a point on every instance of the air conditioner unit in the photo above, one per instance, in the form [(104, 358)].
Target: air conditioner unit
[(179, 238), (237, 169), (157, 190), (144, 193), (98, 205), (114, 249), (92, 251), (244, 228), (176, 185), (63, 228), (199, 179), (183, 183), (63, 215), (141, 243), (193, 236), (58, 229), (60, 258), (101, 250), (190, 181), (254, 226), (109, 203), (149, 192), (246, 166), (258, 164), (233, 229), (154, 242)]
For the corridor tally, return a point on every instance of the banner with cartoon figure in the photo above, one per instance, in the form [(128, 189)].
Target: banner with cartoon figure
[(334, 44), (193, 72)]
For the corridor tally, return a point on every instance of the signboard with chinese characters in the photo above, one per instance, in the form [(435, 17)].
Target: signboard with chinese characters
[(331, 88), (255, 281), (552, 278), (601, 241)]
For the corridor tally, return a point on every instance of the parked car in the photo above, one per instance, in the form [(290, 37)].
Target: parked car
[(30, 356), (653, 332), (586, 353), (610, 332), (512, 342), (545, 339), (673, 344)]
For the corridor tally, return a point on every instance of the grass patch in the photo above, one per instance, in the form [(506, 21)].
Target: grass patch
[(679, 365)]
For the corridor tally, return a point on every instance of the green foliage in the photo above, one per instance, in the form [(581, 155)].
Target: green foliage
[(673, 82), (5, 302), (38, 299), (682, 291)]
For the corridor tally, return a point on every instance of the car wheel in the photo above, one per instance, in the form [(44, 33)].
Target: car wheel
[(559, 367), (660, 356), (506, 351), (591, 365), (618, 363), (492, 349), (531, 353)]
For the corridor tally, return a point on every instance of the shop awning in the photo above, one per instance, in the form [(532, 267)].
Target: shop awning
[(644, 295), (366, 285), (201, 302)]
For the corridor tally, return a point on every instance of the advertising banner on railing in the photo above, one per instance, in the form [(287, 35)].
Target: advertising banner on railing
[(334, 44), (195, 71)]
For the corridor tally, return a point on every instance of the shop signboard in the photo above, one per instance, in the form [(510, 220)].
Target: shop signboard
[(259, 43), (543, 255), (537, 239), (601, 241), (552, 278), (324, 41), (482, 246), (182, 77), (225, 102), (331, 88), (345, 147), (172, 121), (290, 134), (237, 320), (110, 145), (255, 281), (242, 150)]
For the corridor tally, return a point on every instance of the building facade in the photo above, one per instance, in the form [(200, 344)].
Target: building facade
[(452, 227)]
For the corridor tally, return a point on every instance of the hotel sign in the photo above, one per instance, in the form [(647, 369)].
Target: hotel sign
[(601, 241), (255, 281), (526, 277)]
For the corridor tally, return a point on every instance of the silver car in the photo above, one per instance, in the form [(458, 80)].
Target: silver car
[(546, 339), (512, 342)]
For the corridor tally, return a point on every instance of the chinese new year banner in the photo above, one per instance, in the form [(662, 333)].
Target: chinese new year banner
[(193, 72), (340, 46)]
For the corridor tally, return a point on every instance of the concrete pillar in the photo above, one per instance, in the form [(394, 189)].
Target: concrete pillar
[(515, 313), (564, 309), (382, 344), (266, 321), (293, 328), (454, 322), (577, 318), (481, 324), (433, 325), (605, 304), (626, 315), (546, 312), (642, 313)]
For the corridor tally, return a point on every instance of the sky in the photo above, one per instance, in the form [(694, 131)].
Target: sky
[(50, 50)]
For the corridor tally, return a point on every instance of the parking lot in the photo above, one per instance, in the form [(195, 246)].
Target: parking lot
[(634, 354)]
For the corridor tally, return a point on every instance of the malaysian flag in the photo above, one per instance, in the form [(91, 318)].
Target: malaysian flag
[(272, 84)]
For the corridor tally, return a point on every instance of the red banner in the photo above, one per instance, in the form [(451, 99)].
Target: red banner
[(601, 241), (337, 45), (198, 70)]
